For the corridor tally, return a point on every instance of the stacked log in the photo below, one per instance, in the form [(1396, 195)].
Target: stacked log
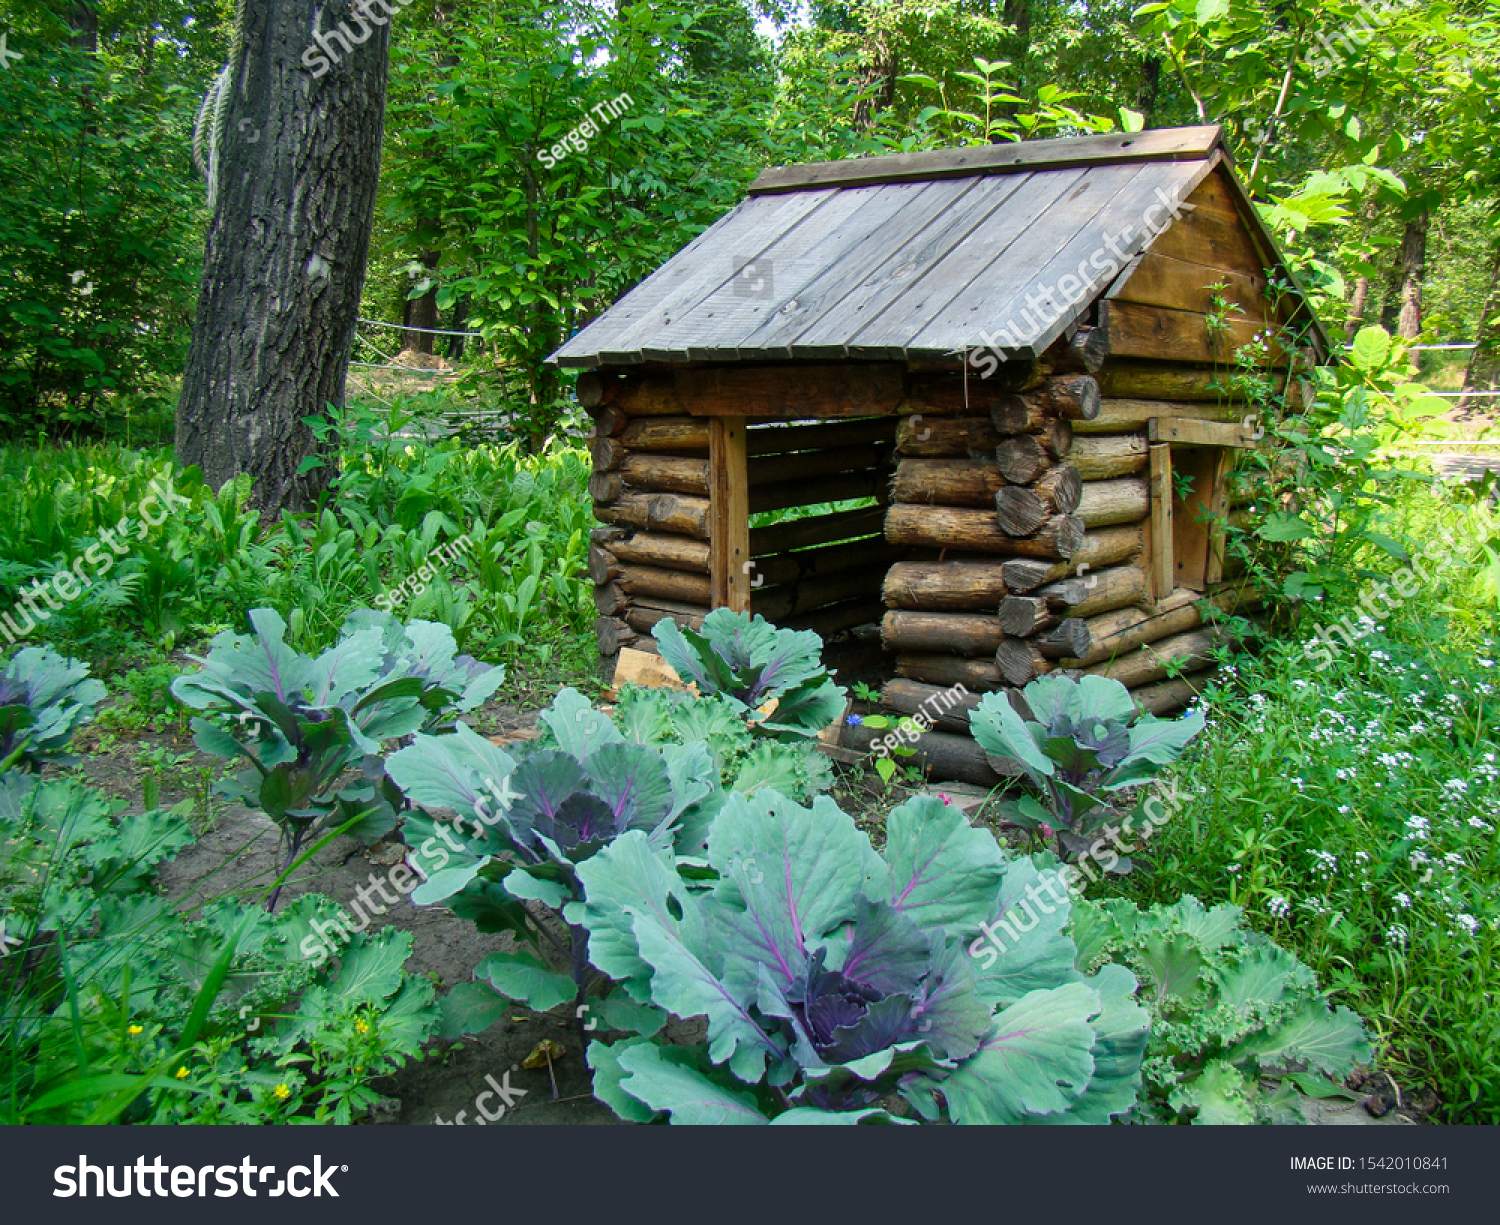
[(1000, 490)]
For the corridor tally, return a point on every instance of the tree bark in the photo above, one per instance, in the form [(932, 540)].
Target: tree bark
[(422, 313), (284, 262), (1413, 271), (1483, 372)]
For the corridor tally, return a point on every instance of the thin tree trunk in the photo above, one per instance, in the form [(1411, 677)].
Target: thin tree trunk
[(1355, 317), (1483, 372), (284, 263), (422, 313), (1413, 272), (1149, 93)]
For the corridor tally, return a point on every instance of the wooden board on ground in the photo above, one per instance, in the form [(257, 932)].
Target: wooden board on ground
[(646, 670)]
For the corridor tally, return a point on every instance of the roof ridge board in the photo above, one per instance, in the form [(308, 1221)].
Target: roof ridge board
[(1163, 144)]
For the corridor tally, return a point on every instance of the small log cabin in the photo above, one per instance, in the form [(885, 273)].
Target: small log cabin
[(969, 414)]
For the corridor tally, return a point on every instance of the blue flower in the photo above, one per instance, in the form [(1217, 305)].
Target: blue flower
[(853, 720)]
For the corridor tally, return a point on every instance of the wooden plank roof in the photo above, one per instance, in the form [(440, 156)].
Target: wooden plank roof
[(914, 255)]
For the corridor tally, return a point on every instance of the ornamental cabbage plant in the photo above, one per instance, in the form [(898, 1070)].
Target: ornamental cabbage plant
[(44, 699), (841, 985), (1084, 739), (776, 676), (1240, 1032), (314, 729), (495, 831)]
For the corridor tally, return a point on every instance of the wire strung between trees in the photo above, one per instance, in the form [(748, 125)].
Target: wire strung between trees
[(401, 327)]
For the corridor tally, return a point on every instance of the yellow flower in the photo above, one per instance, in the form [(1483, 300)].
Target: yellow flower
[(282, 1092), (361, 1068), (182, 1073), (361, 1026), (135, 1029)]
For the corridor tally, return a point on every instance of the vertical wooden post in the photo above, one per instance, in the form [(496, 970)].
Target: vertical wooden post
[(729, 514), (1161, 570), (1217, 505)]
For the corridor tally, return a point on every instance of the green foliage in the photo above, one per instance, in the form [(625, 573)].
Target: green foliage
[(835, 980), (306, 725), (44, 699), (99, 245), (775, 677), (1084, 739), (488, 541), (1353, 817), (1338, 528), (1239, 1029), (116, 1007)]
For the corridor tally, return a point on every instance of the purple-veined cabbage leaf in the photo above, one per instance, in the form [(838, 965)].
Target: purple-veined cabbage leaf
[(835, 980), (777, 675)]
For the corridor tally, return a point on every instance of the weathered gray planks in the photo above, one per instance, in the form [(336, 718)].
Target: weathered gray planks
[(924, 204)]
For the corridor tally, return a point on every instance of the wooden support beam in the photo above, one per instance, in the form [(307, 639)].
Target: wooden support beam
[(643, 615), (941, 755), (677, 434), (649, 396), (662, 512), (666, 473), (653, 549), (1101, 547), (964, 634), (1128, 380), (814, 465), (1187, 432), (780, 438), (729, 534), (947, 482), (1125, 500), (980, 675), (948, 710), (1131, 330), (934, 436), (868, 483), (812, 593), (1160, 566), (1104, 457), (817, 529), (795, 392)]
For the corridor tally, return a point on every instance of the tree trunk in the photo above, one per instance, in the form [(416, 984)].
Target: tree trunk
[(1149, 91), (1413, 271), (1483, 372), (284, 261), (422, 313)]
